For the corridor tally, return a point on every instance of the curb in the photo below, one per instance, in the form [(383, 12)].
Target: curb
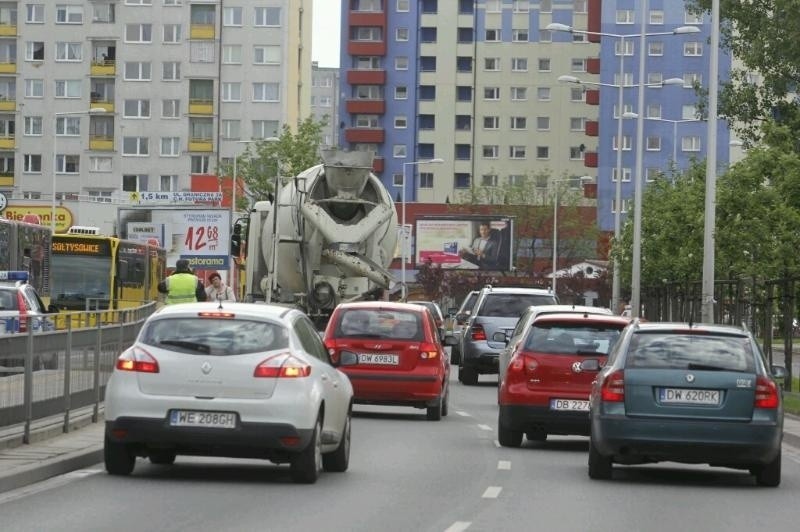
[(52, 467)]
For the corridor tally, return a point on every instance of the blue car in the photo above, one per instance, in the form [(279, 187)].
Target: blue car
[(690, 393)]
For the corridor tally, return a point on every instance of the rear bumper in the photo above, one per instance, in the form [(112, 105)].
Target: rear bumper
[(525, 418), (396, 389), (709, 442), (482, 358)]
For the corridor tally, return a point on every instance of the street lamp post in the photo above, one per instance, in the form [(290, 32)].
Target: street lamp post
[(555, 223), (404, 241), (232, 272), (681, 30), (93, 110), (273, 282)]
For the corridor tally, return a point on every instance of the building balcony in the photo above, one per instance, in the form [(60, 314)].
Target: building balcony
[(590, 190), (201, 145), (366, 107), (594, 10), (7, 179), (8, 104), (8, 30), (367, 18), (593, 65), (366, 77), (8, 68), (101, 143), (105, 67), (592, 128), (203, 32), (378, 164), (592, 97), (374, 135), (105, 105), (366, 48), (590, 159), (7, 142), (199, 106)]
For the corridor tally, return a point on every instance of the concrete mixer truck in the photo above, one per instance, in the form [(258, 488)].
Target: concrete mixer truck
[(328, 238)]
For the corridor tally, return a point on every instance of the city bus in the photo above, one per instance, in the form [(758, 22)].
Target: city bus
[(97, 272), (26, 247)]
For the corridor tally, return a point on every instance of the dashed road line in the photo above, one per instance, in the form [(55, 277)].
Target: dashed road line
[(458, 526), (485, 427), (504, 465), (463, 414), (492, 492), (496, 444)]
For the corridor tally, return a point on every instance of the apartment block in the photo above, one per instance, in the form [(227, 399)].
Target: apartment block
[(325, 101), (115, 97)]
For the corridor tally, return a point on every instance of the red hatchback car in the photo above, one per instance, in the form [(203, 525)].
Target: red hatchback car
[(545, 390), (401, 360)]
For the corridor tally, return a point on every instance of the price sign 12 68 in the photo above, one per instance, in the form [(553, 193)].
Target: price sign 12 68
[(198, 238)]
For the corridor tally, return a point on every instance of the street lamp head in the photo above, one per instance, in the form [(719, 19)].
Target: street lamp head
[(434, 161), (685, 30), (629, 114), (569, 79), (556, 26), (673, 81)]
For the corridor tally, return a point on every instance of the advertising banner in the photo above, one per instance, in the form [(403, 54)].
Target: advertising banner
[(200, 235), (466, 242)]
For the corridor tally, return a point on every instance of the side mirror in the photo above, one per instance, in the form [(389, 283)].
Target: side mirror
[(52, 309), (778, 372), (449, 339), (500, 336), (590, 364), (462, 318), (348, 358), (452, 311)]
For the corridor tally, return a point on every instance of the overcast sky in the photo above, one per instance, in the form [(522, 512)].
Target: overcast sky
[(325, 43)]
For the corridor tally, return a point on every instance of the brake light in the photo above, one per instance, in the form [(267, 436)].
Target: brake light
[(330, 345), (613, 389), (23, 313), (219, 315), (284, 365), (477, 332), (137, 359), (523, 363), (428, 351), (766, 393)]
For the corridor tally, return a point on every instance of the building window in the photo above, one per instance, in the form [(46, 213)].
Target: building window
[(34, 88), (401, 34), (461, 180), (400, 122), (577, 124), (34, 51), (575, 153), (516, 152), (267, 17), (264, 129), (463, 122), (517, 180), (519, 64), (491, 64), (544, 64), (655, 79), (519, 35), (690, 143), (69, 51), (401, 63), (623, 48), (232, 16), (578, 65), (653, 143), (655, 48), (401, 93), (545, 35), (492, 35), (138, 33), (68, 126), (231, 129), (543, 94), (136, 109), (627, 142), (34, 13), (426, 180), (693, 49), (266, 92), (653, 110), (542, 152), (168, 183), (135, 146), (68, 14), (463, 152), (520, 6), (32, 163), (491, 151), (172, 33), (689, 112), (137, 71), (494, 6), (399, 151), (402, 6), (692, 79), (580, 6), (543, 123), (171, 71), (134, 182), (491, 93), (519, 94), (463, 64), (491, 122), (68, 88), (232, 91), (463, 93), (576, 94), (625, 16), (626, 175), (651, 174), (33, 125), (68, 164), (170, 146), (267, 55), (692, 18), (170, 108), (232, 54), (656, 17), (200, 164), (366, 121), (489, 180)]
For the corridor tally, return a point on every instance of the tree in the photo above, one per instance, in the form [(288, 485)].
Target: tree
[(761, 35), (294, 152)]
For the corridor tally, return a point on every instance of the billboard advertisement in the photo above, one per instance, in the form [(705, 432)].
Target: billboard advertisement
[(467, 242), (201, 234)]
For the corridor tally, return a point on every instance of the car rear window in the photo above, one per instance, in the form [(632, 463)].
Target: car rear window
[(571, 340), (511, 305), (386, 324), (8, 300), (216, 337), (690, 351)]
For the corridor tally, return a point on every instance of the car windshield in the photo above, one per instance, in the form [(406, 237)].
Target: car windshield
[(8, 299), (690, 351), (571, 340), (383, 324), (511, 305), (216, 337)]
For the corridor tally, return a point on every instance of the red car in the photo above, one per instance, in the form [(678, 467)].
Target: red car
[(401, 360), (545, 391)]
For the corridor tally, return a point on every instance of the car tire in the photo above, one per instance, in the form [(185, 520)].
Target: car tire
[(769, 474), (600, 467), (507, 437), (468, 376), (162, 457), (536, 435), (446, 402), (434, 413), (119, 459), (455, 355), (306, 464), (339, 460)]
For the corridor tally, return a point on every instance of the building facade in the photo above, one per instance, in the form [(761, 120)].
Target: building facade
[(325, 101), (103, 98)]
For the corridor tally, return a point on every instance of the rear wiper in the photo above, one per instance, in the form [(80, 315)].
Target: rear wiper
[(590, 353), (707, 367), (194, 346), (363, 336)]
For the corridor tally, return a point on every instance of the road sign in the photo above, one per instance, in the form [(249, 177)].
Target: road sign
[(145, 197)]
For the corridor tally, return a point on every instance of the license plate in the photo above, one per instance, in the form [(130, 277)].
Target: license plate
[(576, 405), (688, 396), (378, 358), (215, 420)]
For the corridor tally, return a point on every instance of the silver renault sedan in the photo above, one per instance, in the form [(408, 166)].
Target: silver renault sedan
[(239, 380)]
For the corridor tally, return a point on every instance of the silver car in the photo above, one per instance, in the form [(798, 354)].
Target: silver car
[(513, 339), (229, 379)]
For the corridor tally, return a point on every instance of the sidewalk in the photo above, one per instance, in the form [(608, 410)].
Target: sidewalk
[(58, 453)]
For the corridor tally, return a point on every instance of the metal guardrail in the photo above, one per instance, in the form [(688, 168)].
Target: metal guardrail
[(43, 374)]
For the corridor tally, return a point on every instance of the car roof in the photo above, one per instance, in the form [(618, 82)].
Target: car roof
[(574, 309), (575, 317), (516, 290), (685, 327), (248, 310), (384, 305)]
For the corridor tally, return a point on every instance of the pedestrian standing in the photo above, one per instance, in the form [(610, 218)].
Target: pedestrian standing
[(218, 290), (182, 286)]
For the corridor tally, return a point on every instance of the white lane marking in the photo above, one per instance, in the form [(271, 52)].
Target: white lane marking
[(459, 526), (792, 454), (504, 465), (497, 444), (48, 484), (485, 427), (463, 414), (492, 492)]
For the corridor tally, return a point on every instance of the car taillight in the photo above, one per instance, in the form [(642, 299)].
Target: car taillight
[(766, 393), (613, 389), (23, 313), (428, 351), (522, 363), (477, 332), (284, 365), (330, 345), (137, 359)]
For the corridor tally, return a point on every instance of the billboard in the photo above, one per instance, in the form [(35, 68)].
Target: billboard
[(466, 242), (199, 234)]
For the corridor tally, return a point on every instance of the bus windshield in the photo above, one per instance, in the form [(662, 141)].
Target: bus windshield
[(81, 282)]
